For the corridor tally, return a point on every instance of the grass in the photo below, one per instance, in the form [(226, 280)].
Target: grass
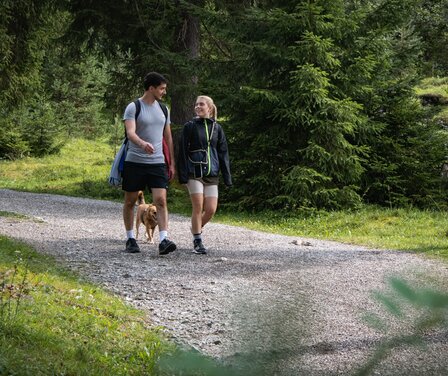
[(442, 116), (436, 87), (82, 167), (433, 85), (66, 326), (12, 215), (79, 170), (399, 229)]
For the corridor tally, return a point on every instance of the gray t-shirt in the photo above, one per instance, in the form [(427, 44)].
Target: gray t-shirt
[(149, 127)]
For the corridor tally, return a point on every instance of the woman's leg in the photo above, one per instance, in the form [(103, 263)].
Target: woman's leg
[(210, 203), (196, 190), (209, 210), (197, 201)]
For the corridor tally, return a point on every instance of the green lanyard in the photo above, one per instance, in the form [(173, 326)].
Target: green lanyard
[(208, 147)]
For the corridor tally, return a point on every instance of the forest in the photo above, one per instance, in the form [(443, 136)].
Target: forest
[(325, 104)]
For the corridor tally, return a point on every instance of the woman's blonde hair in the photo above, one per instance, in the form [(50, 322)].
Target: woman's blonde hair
[(211, 104)]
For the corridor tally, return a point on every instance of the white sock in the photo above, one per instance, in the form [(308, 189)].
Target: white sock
[(162, 235), (130, 234)]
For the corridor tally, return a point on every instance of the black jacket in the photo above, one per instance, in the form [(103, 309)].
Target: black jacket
[(198, 158)]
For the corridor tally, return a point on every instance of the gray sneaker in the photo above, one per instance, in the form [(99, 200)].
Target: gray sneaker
[(198, 247), (166, 246), (132, 246)]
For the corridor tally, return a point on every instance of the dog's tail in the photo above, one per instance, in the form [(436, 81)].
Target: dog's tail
[(141, 198)]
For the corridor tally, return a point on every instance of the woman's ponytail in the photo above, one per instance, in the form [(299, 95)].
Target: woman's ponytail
[(211, 104)]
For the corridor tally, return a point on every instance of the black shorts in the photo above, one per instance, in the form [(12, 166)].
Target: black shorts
[(138, 176)]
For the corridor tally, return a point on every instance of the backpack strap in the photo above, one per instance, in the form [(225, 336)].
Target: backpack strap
[(166, 150), (138, 108), (164, 109)]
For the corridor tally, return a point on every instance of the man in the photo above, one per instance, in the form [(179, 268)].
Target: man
[(145, 163)]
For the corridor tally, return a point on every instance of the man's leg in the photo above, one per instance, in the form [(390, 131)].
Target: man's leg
[(130, 199), (159, 199)]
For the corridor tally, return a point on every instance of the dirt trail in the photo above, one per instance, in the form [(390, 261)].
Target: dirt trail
[(299, 299)]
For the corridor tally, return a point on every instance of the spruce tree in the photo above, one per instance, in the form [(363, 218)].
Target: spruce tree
[(319, 92), (28, 30), (291, 126), (147, 35), (406, 150)]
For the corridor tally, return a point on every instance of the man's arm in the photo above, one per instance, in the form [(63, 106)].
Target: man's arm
[(169, 141), (130, 132)]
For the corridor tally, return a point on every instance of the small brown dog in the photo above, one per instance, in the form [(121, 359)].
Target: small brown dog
[(146, 214)]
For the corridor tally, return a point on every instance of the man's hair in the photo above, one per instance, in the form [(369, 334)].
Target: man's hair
[(153, 79)]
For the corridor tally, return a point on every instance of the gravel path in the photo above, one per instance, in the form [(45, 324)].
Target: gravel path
[(300, 299)]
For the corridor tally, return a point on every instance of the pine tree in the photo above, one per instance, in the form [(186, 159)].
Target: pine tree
[(292, 126), (406, 149), (147, 35), (28, 29), (317, 90)]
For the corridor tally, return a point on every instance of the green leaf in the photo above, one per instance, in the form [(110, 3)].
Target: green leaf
[(375, 321), (390, 304), (433, 299), (404, 290)]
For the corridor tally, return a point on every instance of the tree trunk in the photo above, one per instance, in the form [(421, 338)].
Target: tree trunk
[(183, 81)]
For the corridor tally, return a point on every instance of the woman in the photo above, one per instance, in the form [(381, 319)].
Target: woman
[(202, 154)]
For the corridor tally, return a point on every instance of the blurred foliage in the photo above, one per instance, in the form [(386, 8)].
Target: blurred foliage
[(419, 311), (430, 315)]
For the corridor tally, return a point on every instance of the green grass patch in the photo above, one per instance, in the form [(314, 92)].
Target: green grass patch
[(80, 169), (19, 217), (12, 215), (399, 229), (442, 116), (434, 90), (434, 86), (53, 323)]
